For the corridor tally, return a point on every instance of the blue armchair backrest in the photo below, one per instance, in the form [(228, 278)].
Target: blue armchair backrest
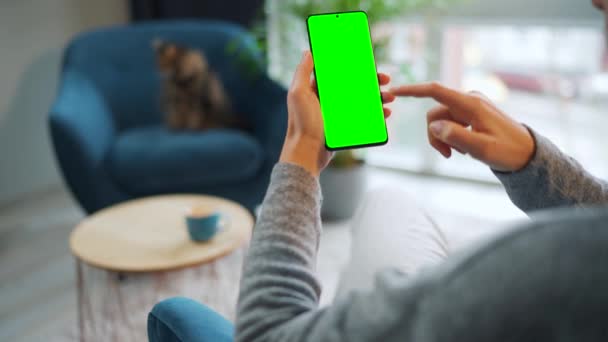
[(120, 62)]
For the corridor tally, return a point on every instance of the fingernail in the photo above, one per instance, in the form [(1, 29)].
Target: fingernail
[(436, 128)]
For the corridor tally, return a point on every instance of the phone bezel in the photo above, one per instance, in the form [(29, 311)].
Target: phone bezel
[(380, 143)]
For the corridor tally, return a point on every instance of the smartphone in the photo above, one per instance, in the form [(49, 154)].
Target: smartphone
[(347, 80)]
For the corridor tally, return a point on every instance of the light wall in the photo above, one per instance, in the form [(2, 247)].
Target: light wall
[(33, 34)]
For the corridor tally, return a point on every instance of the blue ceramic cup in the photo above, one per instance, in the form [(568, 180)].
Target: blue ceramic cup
[(203, 227)]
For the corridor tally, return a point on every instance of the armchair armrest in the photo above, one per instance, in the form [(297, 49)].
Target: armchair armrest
[(82, 130), (81, 113), (183, 319)]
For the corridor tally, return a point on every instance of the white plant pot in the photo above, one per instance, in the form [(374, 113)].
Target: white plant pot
[(342, 190)]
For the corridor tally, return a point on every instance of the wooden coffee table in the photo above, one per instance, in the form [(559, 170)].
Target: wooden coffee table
[(132, 255)]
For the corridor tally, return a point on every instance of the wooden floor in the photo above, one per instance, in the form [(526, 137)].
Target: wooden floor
[(37, 286)]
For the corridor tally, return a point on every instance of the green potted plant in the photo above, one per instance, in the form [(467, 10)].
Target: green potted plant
[(343, 182)]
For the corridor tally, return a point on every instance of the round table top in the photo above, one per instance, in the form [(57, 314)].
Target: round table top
[(150, 234)]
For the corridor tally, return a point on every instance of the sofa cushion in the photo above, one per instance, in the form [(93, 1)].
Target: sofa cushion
[(153, 160)]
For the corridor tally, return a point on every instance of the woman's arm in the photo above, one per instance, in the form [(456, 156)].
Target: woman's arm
[(279, 293), (552, 179), (535, 173), (278, 280)]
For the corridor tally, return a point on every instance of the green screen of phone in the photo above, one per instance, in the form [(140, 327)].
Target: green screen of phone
[(347, 81)]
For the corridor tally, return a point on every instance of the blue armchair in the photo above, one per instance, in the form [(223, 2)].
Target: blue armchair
[(107, 126), (180, 319)]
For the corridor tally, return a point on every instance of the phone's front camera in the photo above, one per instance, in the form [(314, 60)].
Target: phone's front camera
[(337, 16)]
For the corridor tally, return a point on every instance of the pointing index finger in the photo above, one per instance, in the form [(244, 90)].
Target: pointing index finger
[(442, 94)]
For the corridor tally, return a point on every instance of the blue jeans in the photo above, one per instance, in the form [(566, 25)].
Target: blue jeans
[(182, 319)]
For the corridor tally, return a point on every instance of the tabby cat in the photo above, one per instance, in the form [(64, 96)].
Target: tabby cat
[(193, 96)]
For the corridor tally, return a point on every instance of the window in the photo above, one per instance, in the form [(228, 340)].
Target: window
[(551, 76)]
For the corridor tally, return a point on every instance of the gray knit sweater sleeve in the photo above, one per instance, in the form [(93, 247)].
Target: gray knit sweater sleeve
[(279, 293), (552, 179)]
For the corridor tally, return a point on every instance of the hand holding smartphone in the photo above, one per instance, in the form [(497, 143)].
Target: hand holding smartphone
[(347, 81)]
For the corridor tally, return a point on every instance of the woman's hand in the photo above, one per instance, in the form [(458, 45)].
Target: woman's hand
[(494, 138), (305, 140)]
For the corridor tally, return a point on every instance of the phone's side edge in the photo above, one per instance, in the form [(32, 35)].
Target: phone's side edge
[(369, 29)]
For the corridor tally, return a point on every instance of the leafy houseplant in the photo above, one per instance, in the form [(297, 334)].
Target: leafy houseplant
[(343, 181)]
